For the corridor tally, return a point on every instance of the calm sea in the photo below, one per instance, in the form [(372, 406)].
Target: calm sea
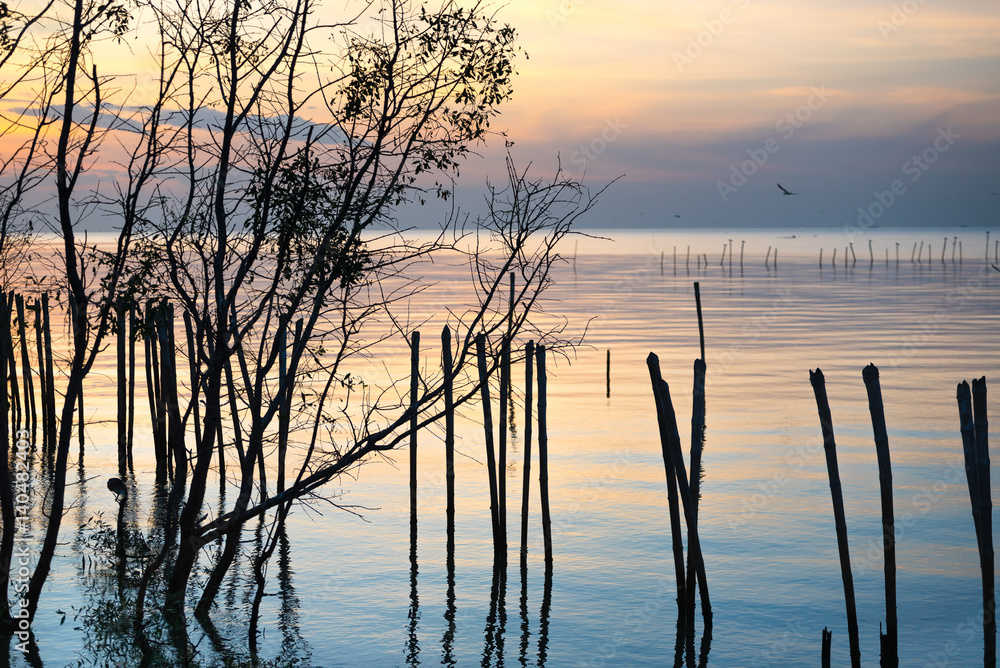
[(347, 594)]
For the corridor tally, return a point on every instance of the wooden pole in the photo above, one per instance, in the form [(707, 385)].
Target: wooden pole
[(50, 388), (132, 320), (120, 311), (491, 464), (836, 492), (543, 458), (767, 258), (529, 354), (608, 375), (414, 387), (29, 389), (449, 442), (11, 362), (687, 259), (827, 643), (889, 641), (986, 552), (697, 442), (743, 243), (701, 323), (667, 420), (968, 431)]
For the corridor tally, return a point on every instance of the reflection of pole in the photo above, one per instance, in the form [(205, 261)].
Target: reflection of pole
[(543, 619), (888, 642), (543, 459), (830, 446)]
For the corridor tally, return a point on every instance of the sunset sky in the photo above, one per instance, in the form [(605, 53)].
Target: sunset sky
[(704, 107)]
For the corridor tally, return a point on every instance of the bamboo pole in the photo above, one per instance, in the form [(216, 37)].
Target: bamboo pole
[(986, 552), (543, 458), (697, 443), (29, 390), (529, 354), (767, 258), (491, 464), (687, 259), (414, 387), (608, 375), (120, 310), (667, 420), (132, 320), (11, 362), (820, 258), (40, 357), (701, 323), (827, 643), (449, 440), (836, 492), (50, 389), (888, 642), (968, 431)]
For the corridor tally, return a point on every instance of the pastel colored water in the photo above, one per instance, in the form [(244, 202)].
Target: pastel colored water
[(766, 520)]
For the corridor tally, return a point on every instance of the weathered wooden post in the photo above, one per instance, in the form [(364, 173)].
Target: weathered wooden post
[(491, 464), (701, 324), (414, 387), (833, 471), (889, 641), (543, 457), (449, 447), (985, 519), (529, 354)]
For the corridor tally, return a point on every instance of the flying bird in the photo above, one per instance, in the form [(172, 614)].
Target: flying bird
[(118, 488), (785, 191)]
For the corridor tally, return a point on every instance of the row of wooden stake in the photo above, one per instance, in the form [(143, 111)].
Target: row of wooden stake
[(496, 465)]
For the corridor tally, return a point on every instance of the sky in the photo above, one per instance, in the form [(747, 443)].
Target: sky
[(873, 113)]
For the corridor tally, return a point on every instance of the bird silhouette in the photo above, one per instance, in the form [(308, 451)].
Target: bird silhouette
[(118, 488), (785, 191)]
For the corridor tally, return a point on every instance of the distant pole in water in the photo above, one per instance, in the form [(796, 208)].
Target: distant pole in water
[(943, 249), (954, 245), (742, 244), (897, 253), (821, 258), (920, 254), (886, 258), (675, 260), (871, 254), (706, 261), (837, 494), (767, 258), (609, 374), (722, 260), (996, 251), (687, 260), (661, 263), (775, 257), (913, 255), (730, 253), (701, 324), (853, 254), (833, 261), (987, 245)]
